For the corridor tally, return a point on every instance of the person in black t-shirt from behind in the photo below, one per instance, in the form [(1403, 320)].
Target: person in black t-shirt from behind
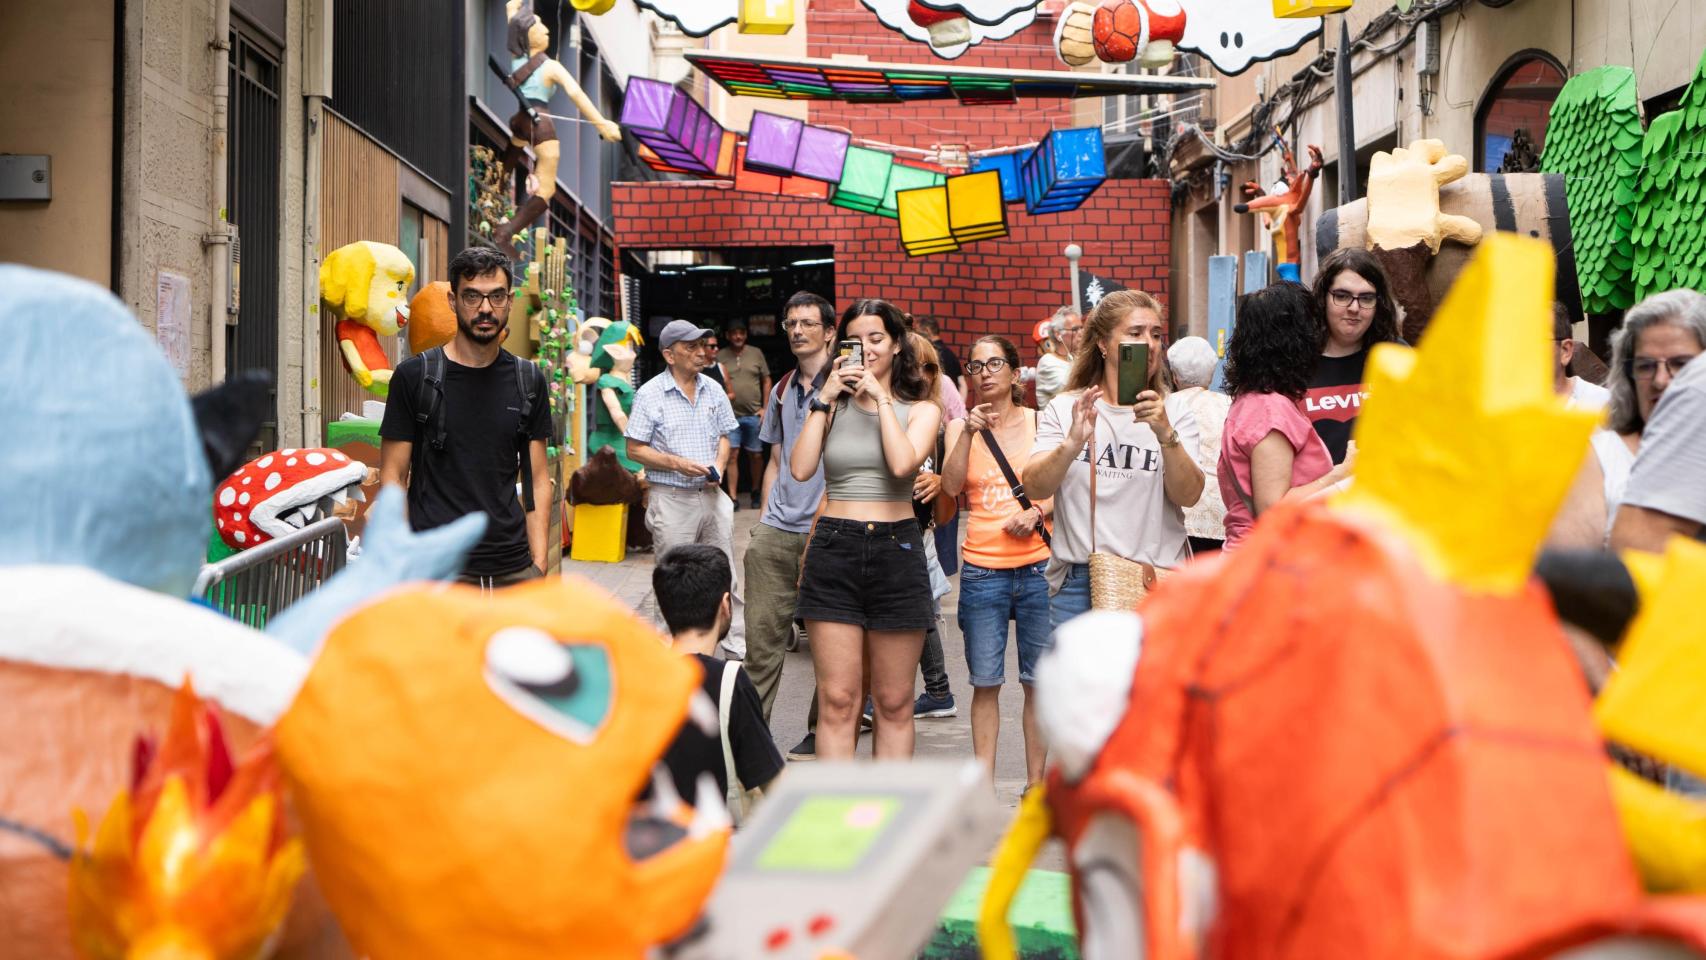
[(948, 363), (475, 467), (1354, 311), (693, 583)]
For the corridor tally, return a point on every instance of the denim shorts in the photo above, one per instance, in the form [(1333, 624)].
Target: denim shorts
[(745, 435), (1073, 598), (869, 574), (989, 600)]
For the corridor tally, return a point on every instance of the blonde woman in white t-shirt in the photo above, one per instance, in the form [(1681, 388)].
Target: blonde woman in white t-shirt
[(1145, 472)]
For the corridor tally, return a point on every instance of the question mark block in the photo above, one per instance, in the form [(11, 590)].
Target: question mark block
[(766, 16)]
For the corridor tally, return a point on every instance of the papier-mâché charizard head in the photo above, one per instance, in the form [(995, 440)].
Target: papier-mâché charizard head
[(466, 768)]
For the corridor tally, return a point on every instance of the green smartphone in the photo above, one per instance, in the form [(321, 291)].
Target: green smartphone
[(1134, 371)]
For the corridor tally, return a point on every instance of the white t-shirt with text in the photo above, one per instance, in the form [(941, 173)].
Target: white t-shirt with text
[(1134, 518)]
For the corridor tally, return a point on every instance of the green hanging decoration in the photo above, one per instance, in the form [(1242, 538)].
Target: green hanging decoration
[(1594, 139), (1670, 197)]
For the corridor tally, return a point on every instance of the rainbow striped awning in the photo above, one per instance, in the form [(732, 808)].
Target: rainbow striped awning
[(750, 75)]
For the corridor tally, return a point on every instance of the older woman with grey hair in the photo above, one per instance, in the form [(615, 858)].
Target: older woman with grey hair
[(1660, 335), (1056, 338), (1193, 361)]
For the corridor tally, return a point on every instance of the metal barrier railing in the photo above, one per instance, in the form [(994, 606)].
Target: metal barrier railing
[(259, 583)]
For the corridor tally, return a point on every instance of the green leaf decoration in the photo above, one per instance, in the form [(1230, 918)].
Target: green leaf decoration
[(1594, 139), (1670, 190)]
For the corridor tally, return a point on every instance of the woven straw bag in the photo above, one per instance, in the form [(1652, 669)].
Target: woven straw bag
[(1115, 582)]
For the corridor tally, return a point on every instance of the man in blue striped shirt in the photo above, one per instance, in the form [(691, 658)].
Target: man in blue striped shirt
[(678, 431)]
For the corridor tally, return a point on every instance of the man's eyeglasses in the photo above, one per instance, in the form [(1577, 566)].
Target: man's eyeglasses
[(993, 365), (792, 325), (1344, 298), (1645, 368), (472, 298)]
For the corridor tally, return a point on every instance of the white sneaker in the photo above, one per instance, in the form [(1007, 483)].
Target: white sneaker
[(732, 651)]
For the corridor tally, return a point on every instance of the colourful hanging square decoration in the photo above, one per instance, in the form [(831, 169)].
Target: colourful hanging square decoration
[(822, 154), (864, 180), (976, 210), (1007, 165), (725, 159), (757, 181), (766, 16), (906, 176), (923, 215), (672, 124), (1064, 169), (773, 142)]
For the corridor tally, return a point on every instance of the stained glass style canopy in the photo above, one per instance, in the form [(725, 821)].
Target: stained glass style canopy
[(856, 81)]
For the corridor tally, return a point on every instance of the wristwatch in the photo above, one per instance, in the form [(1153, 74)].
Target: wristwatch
[(818, 406)]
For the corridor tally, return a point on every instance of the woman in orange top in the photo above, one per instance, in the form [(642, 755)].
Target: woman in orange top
[(1001, 575)]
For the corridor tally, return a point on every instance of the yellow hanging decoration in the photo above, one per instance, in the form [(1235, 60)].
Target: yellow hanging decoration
[(766, 16), (1463, 435), (593, 7), (1292, 9)]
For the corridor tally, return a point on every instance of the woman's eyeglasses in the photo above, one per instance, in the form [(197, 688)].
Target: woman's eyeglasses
[(993, 365), (1645, 368), (472, 298), (1344, 298)]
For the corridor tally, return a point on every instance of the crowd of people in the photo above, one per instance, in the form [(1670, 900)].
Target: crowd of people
[(892, 467)]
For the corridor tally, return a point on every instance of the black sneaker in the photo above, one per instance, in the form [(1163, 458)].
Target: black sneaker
[(804, 750), (927, 707), (868, 719)]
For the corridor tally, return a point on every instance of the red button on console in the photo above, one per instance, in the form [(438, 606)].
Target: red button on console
[(820, 924), (778, 939)]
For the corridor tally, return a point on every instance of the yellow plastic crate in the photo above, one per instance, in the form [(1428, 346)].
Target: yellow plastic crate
[(601, 533), (1309, 8)]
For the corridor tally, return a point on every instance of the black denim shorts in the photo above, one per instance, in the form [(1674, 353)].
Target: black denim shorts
[(870, 574)]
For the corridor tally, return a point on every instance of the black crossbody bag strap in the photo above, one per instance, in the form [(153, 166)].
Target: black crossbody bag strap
[(1013, 482), (524, 443)]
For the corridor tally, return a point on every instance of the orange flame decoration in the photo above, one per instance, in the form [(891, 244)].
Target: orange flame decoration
[(191, 863)]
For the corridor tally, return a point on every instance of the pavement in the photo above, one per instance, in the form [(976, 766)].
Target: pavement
[(631, 581)]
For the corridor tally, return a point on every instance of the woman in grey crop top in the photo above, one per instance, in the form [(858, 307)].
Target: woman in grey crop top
[(864, 588)]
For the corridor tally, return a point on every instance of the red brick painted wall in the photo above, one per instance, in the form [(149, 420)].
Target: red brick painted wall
[(994, 286)]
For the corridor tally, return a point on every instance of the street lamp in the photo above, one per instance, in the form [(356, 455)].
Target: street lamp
[(1073, 251)]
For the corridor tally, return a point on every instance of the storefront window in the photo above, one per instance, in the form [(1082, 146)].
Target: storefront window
[(1510, 124)]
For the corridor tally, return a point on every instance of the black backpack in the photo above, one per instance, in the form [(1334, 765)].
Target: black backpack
[(429, 414)]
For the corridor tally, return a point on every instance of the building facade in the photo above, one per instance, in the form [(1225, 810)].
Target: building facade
[(1479, 75)]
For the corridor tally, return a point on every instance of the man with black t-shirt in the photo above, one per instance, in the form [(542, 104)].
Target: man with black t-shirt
[(465, 457), (1354, 306), (693, 583)]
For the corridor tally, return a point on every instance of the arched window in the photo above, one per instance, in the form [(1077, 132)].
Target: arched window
[(1510, 123)]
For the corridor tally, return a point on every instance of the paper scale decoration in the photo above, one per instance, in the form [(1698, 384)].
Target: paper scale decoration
[(1593, 138), (673, 125), (757, 181), (1670, 215), (864, 180), (725, 159), (869, 82), (1064, 169), (907, 176)]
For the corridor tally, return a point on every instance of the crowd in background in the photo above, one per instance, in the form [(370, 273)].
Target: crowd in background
[(893, 466)]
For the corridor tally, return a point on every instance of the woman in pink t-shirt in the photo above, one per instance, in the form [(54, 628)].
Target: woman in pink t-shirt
[(1269, 451)]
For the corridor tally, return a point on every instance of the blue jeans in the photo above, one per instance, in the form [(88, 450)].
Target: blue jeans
[(989, 599), (1073, 598)]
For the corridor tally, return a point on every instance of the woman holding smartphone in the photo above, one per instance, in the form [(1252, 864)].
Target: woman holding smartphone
[(1141, 453), (865, 588), (1002, 574)]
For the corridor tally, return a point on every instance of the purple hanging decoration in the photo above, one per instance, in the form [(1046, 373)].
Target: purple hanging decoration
[(673, 124), (823, 153), (773, 143)]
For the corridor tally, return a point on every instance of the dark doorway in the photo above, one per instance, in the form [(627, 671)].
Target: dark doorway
[(252, 171)]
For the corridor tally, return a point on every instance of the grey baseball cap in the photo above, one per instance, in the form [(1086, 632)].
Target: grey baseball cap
[(678, 331)]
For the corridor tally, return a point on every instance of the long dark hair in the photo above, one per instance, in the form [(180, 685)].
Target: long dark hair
[(1384, 329), (1011, 354), (1273, 348), (906, 378)]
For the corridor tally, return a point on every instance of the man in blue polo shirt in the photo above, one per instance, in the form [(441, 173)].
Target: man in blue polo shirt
[(678, 430), (779, 539)]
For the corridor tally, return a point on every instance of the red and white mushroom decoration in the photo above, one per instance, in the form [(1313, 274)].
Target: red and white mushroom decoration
[(284, 491), (947, 27)]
